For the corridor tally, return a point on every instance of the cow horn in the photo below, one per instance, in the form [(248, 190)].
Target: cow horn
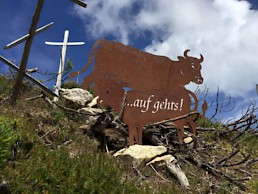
[(185, 53), (201, 59)]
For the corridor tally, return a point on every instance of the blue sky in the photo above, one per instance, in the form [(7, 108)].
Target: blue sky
[(224, 31)]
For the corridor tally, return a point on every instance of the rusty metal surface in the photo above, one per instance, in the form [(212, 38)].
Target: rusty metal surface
[(157, 81)]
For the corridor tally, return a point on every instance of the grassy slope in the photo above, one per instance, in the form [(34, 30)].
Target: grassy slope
[(51, 155)]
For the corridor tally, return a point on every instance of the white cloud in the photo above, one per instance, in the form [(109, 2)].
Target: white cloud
[(108, 18), (225, 32)]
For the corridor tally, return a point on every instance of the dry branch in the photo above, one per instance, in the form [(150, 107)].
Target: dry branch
[(34, 98), (238, 163), (251, 161), (152, 167), (178, 173), (173, 119), (227, 158), (210, 168), (173, 168)]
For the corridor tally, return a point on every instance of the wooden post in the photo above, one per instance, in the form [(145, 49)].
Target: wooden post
[(25, 56)]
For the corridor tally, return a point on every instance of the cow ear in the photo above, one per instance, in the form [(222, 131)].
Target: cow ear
[(181, 58)]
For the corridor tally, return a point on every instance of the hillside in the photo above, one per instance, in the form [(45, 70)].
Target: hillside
[(47, 150)]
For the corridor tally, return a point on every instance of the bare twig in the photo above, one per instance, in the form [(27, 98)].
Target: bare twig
[(34, 98), (159, 173), (237, 163), (248, 162), (227, 158), (216, 172), (173, 119), (222, 105), (217, 104), (138, 172)]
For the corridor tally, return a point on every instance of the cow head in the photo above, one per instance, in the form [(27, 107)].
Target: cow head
[(191, 68), (112, 93)]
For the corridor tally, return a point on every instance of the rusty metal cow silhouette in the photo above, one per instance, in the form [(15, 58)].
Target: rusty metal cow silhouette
[(137, 69), (155, 80), (141, 108)]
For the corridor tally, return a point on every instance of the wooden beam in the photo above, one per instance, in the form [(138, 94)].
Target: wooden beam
[(26, 52), (61, 43), (79, 2), (22, 39), (42, 86)]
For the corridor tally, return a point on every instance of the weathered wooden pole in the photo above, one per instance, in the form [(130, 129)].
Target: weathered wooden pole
[(26, 52)]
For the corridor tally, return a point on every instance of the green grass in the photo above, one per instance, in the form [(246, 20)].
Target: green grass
[(7, 141), (38, 168), (55, 171), (45, 152), (35, 159)]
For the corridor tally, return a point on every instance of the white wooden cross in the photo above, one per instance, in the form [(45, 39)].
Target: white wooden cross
[(27, 47), (64, 44)]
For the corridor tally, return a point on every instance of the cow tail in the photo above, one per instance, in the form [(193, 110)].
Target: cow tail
[(204, 105), (204, 109), (195, 100), (92, 52)]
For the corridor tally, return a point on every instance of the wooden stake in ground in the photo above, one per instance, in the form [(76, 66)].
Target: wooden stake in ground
[(62, 59), (26, 51)]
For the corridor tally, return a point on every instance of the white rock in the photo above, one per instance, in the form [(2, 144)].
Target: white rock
[(93, 111), (93, 102), (76, 95), (142, 152), (167, 158), (188, 140)]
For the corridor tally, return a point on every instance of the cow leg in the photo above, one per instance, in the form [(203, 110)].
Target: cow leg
[(180, 132), (132, 135), (139, 135), (87, 81), (135, 135), (192, 125)]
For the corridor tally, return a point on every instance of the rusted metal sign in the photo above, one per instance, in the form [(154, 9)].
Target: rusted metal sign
[(157, 83)]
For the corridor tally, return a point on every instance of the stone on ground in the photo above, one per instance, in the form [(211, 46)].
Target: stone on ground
[(142, 152)]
